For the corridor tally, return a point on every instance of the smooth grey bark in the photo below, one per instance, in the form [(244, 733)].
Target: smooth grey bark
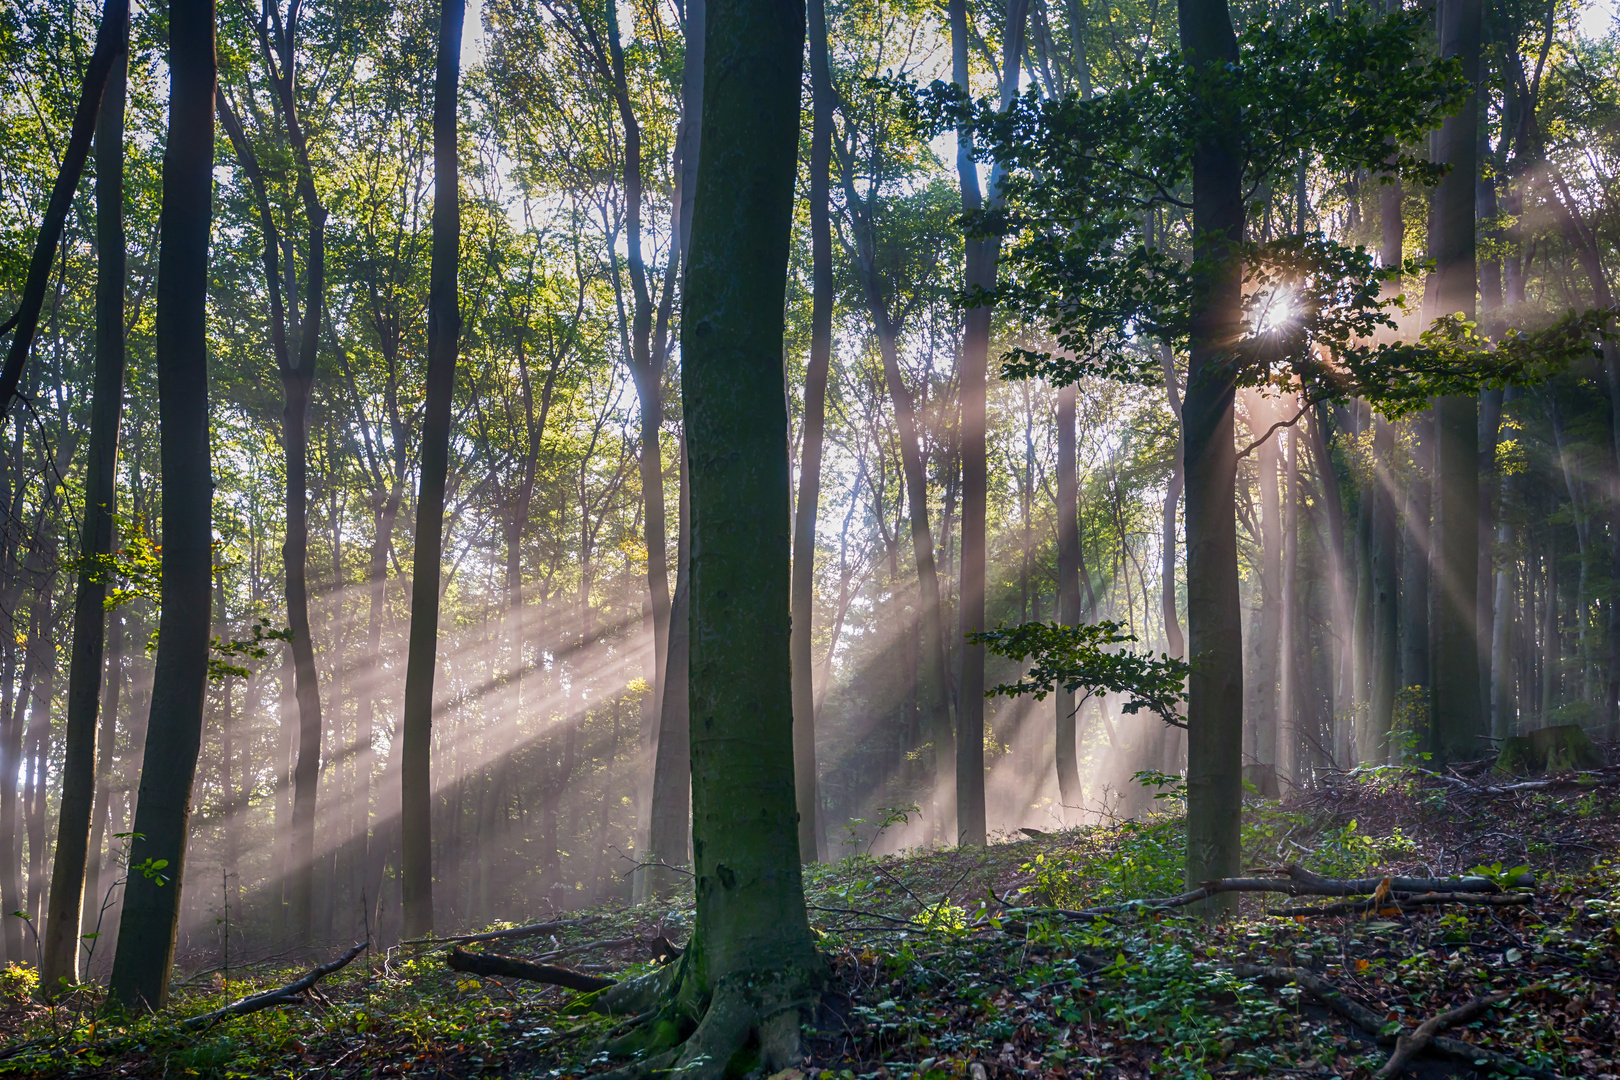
[(151, 915), (670, 834), (444, 334), (59, 966), (812, 844), (1503, 706), (1291, 679), (1269, 643), (1456, 716)]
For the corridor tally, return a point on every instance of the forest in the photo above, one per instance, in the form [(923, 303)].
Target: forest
[(1193, 437)]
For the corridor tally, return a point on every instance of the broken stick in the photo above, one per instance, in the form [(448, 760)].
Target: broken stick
[(512, 968), (291, 994), (532, 930)]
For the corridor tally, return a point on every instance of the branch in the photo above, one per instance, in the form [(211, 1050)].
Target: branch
[(291, 994), (513, 968), (111, 41), (1374, 1025), (1409, 1046), (532, 930)]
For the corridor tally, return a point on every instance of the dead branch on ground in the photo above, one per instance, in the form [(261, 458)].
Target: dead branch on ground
[(291, 994), (1409, 1046), (511, 967), (1405, 903)]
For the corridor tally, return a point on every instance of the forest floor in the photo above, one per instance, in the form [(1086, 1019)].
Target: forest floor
[(931, 977)]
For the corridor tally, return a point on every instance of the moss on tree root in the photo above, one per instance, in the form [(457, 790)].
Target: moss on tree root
[(746, 1024)]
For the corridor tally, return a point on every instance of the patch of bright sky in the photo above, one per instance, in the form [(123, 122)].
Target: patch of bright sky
[(1597, 19)]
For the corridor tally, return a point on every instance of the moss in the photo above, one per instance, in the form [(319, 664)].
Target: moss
[(1550, 749)]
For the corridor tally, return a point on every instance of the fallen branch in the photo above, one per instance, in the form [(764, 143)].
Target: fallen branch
[(591, 946), (512, 968), (532, 930), (1294, 881), (1374, 1025), (291, 994), (1409, 1046), (1406, 902)]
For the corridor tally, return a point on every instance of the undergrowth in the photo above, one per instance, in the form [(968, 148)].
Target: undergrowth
[(930, 980)]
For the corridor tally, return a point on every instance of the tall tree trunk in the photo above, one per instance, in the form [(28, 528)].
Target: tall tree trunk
[(107, 746), (11, 754), (1215, 633), (812, 844), (1503, 705), (60, 965), (150, 921), (750, 926), (1291, 681), (979, 276), (1374, 748), (1068, 587), (1456, 718), (1415, 562), (444, 332), (670, 837), (1269, 646)]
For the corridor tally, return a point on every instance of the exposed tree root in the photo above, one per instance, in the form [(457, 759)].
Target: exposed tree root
[(1373, 1024)]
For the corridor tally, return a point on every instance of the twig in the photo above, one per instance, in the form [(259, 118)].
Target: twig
[(532, 930), (513, 968), (614, 943), (291, 994), (1405, 902), (1409, 1046)]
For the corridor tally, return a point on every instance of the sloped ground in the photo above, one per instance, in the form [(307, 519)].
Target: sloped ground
[(931, 976)]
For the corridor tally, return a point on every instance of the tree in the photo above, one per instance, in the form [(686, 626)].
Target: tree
[(750, 966), (60, 956), (278, 41), (444, 333), (1456, 717), (823, 98), (151, 916)]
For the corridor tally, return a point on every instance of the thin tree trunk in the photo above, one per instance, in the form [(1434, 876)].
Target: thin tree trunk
[(444, 332), (812, 844), (1374, 748), (1269, 645), (1291, 681), (60, 965), (1068, 585), (150, 920), (670, 837)]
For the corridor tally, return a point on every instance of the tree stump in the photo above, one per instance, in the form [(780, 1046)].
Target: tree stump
[(1550, 749)]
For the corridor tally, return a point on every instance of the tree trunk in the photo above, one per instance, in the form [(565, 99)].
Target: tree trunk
[(1068, 587), (1215, 633), (979, 275), (60, 965), (1270, 644), (444, 332), (1503, 704), (1415, 562), (751, 930), (1456, 719), (150, 921), (812, 844), (670, 837), (1294, 650), (1374, 748)]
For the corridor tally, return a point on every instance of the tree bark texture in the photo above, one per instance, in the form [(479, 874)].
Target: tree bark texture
[(1068, 586), (150, 920)]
